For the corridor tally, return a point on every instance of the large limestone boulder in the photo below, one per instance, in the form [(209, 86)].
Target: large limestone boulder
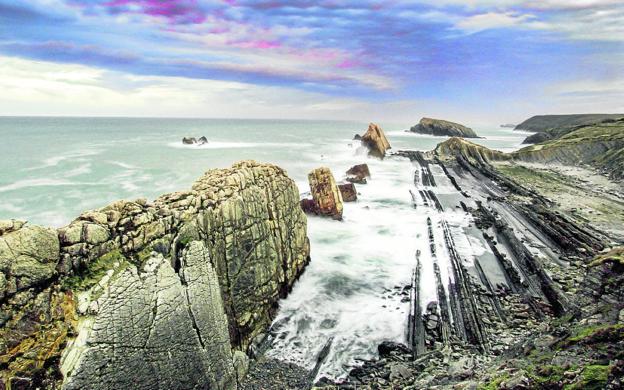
[(375, 140), (28, 256), (325, 192), (441, 127), (162, 294)]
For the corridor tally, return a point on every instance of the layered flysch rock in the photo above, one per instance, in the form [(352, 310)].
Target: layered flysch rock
[(166, 294), (375, 140), (325, 193), (441, 127)]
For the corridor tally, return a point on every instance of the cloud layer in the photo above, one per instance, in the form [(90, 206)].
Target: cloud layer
[(369, 51)]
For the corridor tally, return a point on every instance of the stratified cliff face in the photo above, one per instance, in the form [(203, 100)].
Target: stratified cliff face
[(442, 128), (151, 295)]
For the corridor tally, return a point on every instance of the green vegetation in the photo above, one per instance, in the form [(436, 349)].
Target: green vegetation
[(95, 271), (616, 255), (592, 377), (544, 123), (493, 383)]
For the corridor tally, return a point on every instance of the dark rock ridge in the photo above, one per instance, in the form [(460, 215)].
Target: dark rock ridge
[(441, 127), (168, 294), (541, 123)]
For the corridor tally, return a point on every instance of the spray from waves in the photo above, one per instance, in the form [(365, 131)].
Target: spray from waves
[(29, 183), (235, 145), (56, 160)]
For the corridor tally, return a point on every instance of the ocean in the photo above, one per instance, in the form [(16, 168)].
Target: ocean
[(52, 169)]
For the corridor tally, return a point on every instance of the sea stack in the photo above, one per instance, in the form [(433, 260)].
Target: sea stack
[(375, 140), (441, 127), (325, 193)]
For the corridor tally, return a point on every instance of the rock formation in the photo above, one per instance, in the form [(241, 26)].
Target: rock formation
[(151, 295), (348, 192), (441, 127), (375, 140), (194, 141), (325, 193), (358, 174)]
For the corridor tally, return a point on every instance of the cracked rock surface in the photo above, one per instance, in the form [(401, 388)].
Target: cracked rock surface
[(162, 294)]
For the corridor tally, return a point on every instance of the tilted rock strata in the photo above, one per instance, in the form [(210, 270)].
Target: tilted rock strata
[(325, 193), (375, 140), (441, 127), (185, 279)]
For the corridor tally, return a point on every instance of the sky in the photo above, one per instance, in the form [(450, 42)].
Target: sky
[(478, 61)]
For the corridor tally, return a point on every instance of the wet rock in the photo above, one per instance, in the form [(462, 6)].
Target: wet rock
[(309, 206), (357, 137), (388, 347), (358, 174), (194, 141), (375, 140), (325, 193), (400, 371), (348, 192)]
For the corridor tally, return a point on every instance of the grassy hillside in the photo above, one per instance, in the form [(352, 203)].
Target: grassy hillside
[(600, 145), (542, 123)]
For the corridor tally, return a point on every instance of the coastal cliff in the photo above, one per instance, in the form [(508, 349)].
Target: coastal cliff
[(168, 294)]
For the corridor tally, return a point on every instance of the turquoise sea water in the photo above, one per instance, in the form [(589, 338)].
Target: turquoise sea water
[(52, 169)]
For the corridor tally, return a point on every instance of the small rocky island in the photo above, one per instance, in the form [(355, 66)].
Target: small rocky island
[(439, 127)]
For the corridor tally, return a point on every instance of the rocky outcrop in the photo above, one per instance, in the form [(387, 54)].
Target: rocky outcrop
[(441, 127), (194, 141), (152, 295), (358, 174), (325, 193), (537, 138), (348, 192), (375, 140)]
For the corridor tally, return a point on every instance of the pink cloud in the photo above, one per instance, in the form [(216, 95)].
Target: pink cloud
[(176, 11)]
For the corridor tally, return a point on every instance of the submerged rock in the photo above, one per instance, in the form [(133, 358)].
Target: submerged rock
[(144, 295), (375, 140), (325, 193), (441, 127), (348, 192), (358, 174)]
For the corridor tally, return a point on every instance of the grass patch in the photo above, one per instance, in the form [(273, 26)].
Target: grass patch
[(592, 377), (95, 271), (615, 255)]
